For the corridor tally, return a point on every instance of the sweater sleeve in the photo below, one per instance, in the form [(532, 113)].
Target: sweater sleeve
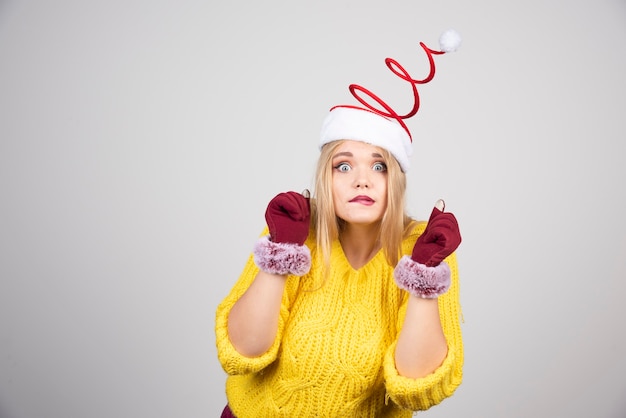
[(231, 360), (423, 393)]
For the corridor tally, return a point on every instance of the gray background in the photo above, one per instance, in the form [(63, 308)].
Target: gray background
[(141, 140)]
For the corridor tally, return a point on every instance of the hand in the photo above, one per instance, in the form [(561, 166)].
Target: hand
[(440, 238), (288, 216)]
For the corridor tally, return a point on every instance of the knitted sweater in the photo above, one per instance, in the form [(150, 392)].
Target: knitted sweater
[(334, 352)]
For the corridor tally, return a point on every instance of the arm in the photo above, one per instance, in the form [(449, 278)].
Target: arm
[(424, 392), (424, 365), (232, 361), (253, 320), (421, 346)]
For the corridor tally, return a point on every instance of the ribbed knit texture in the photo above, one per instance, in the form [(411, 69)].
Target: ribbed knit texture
[(333, 356)]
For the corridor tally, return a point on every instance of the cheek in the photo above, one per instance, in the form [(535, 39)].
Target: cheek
[(333, 188), (339, 194), (338, 186), (383, 196), (385, 204)]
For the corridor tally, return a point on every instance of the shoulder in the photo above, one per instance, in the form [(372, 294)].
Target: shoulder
[(414, 230)]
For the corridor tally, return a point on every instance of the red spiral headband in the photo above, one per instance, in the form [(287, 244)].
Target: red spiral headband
[(377, 123), (449, 41)]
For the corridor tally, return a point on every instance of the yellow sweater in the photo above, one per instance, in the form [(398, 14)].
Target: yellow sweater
[(333, 356)]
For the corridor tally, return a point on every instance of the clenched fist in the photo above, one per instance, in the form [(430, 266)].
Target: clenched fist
[(288, 216), (440, 238)]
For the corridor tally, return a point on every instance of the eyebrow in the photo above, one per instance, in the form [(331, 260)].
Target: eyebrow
[(349, 154)]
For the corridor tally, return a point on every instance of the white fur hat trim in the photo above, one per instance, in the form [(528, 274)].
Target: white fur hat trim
[(365, 126)]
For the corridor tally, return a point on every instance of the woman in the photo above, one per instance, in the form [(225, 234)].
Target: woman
[(347, 306)]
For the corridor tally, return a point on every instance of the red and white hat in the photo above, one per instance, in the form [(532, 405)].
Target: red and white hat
[(382, 126)]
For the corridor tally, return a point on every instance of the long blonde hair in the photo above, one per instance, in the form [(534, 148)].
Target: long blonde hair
[(327, 225)]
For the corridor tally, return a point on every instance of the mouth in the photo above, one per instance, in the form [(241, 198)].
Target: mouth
[(362, 199)]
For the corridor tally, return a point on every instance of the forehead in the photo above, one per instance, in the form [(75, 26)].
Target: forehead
[(355, 147)]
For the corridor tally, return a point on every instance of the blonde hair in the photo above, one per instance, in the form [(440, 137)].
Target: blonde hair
[(326, 224)]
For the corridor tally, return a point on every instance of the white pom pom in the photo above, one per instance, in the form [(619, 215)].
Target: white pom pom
[(450, 41)]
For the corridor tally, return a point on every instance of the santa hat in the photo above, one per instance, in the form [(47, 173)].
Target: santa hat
[(382, 126)]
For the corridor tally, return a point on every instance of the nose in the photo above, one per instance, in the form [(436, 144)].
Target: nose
[(362, 180)]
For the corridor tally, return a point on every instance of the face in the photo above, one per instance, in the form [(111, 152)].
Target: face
[(359, 183)]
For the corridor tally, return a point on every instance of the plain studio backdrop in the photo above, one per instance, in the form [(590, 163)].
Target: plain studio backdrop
[(140, 142)]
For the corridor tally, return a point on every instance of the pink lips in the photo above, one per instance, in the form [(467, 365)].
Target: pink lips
[(364, 200)]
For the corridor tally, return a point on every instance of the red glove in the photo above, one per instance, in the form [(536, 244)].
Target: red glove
[(288, 216), (440, 238)]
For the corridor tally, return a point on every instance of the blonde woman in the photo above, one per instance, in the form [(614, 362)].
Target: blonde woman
[(347, 307)]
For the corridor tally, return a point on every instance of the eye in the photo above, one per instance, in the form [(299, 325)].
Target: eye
[(343, 167), (381, 167)]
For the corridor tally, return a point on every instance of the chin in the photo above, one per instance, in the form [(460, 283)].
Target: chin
[(363, 221)]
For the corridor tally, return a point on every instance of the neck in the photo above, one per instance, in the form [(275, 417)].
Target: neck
[(360, 243)]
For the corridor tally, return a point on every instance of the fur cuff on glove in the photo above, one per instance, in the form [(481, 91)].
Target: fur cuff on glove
[(420, 280), (282, 258)]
